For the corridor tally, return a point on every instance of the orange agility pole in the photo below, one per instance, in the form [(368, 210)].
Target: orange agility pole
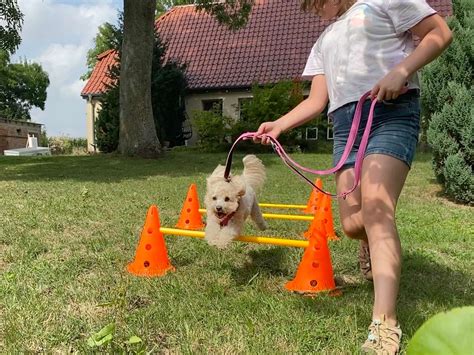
[(315, 273), (314, 198), (151, 258), (190, 217)]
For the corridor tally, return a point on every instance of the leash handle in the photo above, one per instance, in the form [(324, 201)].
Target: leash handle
[(294, 166)]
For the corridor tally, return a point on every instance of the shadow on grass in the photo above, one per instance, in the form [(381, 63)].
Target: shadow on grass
[(426, 286), (426, 283), (113, 168), (265, 262)]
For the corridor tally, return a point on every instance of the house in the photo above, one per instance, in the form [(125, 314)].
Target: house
[(222, 64), (14, 134)]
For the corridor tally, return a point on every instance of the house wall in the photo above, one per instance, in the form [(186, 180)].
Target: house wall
[(14, 134), (193, 102), (93, 107)]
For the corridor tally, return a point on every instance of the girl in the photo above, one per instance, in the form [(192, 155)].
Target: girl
[(370, 47)]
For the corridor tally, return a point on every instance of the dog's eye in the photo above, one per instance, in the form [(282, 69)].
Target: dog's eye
[(214, 198), (227, 199)]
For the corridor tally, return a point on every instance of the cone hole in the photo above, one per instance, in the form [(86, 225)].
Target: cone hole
[(326, 209), (146, 264), (150, 230), (317, 247), (148, 246), (188, 210), (313, 283), (190, 199), (325, 220), (186, 221), (315, 264)]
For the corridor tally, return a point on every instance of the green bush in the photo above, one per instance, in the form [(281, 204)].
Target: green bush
[(448, 108), (267, 104), (107, 123), (213, 130), (64, 145), (270, 102)]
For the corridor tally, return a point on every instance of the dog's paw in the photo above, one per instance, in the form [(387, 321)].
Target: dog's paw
[(262, 225), (219, 243)]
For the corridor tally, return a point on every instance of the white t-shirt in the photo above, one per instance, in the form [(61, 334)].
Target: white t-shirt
[(363, 45)]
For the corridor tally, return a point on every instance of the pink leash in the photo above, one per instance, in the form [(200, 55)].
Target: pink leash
[(294, 166)]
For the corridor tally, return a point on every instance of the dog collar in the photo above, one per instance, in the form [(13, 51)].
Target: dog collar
[(225, 221)]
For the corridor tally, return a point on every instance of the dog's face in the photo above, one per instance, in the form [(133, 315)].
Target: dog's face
[(222, 197)]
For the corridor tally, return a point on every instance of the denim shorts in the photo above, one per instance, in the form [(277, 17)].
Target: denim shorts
[(394, 131)]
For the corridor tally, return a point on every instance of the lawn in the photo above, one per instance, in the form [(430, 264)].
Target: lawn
[(69, 226)]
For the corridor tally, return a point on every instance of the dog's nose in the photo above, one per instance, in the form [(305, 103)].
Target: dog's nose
[(219, 208)]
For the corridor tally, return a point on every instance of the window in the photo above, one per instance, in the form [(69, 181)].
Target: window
[(311, 133), (329, 130), (243, 101), (214, 105)]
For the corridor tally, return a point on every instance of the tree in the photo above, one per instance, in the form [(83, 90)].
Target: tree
[(168, 87), (164, 5), (233, 13), (22, 87), (449, 107), (137, 128), (11, 21), (104, 40), (168, 84)]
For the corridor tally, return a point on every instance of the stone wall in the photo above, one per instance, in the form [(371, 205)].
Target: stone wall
[(14, 134)]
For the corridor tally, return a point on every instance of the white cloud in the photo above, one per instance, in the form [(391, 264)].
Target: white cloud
[(58, 34)]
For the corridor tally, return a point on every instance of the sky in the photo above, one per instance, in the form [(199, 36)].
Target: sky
[(57, 34)]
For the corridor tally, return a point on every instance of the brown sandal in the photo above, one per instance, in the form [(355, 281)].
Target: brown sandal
[(364, 260)]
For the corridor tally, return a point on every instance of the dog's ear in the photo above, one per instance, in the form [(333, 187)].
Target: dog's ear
[(239, 184), (219, 171), (217, 175)]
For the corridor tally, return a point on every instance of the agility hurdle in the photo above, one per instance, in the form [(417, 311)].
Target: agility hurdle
[(279, 205), (248, 238), (314, 273), (289, 217)]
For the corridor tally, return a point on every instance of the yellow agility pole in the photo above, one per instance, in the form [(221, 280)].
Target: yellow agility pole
[(279, 205), (290, 217), (246, 238)]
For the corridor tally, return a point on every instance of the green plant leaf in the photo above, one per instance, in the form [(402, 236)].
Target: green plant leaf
[(445, 333), (103, 336), (133, 340)]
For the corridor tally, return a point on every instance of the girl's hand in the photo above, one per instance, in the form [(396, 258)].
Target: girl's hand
[(267, 129), (390, 87)]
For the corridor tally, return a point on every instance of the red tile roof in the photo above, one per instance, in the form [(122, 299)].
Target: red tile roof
[(99, 79), (273, 46)]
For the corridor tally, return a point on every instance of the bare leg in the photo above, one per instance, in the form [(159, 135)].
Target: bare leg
[(382, 180), (350, 208)]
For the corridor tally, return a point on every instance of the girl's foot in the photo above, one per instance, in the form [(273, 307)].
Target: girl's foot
[(364, 260), (383, 339)]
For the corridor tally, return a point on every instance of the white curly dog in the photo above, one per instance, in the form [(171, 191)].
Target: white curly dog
[(229, 203)]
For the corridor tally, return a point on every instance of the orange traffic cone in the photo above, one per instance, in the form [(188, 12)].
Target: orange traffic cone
[(315, 272), (314, 198), (151, 258), (326, 212), (323, 221), (190, 218), (314, 225)]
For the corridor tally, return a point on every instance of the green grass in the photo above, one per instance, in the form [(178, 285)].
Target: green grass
[(69, 226)]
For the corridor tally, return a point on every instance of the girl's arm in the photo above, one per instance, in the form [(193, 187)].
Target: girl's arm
[(435, 37), (305, 111)]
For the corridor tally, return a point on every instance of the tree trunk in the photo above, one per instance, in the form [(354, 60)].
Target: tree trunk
[(137, 127)]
